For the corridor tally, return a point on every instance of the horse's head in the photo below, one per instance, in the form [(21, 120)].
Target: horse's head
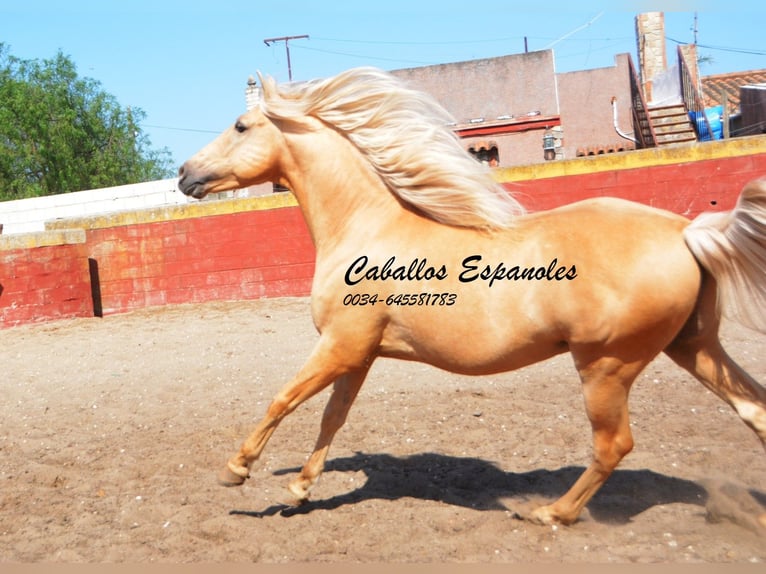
[(245, 154)]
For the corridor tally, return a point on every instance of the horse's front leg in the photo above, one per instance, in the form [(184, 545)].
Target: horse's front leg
[(324, 366), (344, 392)]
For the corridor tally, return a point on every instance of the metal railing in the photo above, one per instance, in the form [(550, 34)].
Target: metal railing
[(642, 125), (692, 97)]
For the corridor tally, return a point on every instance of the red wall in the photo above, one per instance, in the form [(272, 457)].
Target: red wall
[(44, 283), (248, 255), (260, 247), (688, 189)]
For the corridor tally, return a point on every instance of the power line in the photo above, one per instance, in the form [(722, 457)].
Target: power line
[(724, 48), (565, 36), (462, 42), (417, 43), (614, 42), (364, 57)]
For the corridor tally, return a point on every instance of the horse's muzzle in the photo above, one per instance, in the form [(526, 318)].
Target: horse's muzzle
[(191, 185)]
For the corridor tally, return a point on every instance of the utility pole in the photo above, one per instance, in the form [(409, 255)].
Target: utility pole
[(286, 40)]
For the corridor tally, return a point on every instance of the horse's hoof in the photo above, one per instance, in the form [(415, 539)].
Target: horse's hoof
[(299, 492), (547, 516), (228, 477), (541, 515)]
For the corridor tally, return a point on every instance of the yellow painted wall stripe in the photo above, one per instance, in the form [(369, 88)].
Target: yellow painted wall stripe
[(652, 157), (41, 239)]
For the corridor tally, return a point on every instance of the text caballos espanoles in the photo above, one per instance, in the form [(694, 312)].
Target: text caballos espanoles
[(472, 268)]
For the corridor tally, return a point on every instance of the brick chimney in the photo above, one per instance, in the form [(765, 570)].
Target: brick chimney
[(652, 56)]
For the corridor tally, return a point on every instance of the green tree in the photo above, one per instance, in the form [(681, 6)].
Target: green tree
[(62, 133)]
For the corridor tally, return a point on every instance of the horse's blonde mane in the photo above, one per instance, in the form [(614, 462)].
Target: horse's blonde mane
[(405, 135)]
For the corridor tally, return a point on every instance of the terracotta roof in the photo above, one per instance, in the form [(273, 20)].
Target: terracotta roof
[(604, 149), (730, 83)]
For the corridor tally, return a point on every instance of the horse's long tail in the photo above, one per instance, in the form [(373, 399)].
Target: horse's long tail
[(731, 246)]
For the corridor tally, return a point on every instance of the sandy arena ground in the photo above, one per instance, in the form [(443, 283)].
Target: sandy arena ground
[(113, 430)]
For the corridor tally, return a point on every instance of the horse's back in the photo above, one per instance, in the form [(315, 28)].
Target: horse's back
[(617, 207)]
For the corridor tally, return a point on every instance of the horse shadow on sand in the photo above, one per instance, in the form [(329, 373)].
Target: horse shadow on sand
[(481, 485)]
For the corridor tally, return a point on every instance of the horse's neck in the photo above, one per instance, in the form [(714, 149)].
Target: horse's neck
[(339, 193)]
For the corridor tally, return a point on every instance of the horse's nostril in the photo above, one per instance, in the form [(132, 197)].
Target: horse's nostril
[(181, 170)]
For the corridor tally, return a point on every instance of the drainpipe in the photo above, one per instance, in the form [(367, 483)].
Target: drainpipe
[(616, 127)]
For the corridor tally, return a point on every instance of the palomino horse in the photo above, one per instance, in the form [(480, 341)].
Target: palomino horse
[(420, 255)]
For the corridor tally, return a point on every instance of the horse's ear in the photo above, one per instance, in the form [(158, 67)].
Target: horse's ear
[(265, 80), (268, 85)]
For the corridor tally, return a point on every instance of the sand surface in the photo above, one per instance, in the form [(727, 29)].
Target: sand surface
[(112, 432)]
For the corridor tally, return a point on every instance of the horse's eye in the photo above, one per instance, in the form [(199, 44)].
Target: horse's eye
[(240, 127)]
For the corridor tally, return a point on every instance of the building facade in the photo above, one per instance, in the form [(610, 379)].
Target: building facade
[(516, 110)]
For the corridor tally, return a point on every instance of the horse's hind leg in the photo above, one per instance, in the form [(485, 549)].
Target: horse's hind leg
[(698, 350), (708, 362), (606, 384), (343, 394)]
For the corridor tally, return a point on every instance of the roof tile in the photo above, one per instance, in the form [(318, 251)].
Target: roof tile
[(714, 86)]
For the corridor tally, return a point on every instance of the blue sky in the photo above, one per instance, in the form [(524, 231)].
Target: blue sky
[(185, 63)]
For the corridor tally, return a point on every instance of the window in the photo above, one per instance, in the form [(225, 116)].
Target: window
[(486, 153)]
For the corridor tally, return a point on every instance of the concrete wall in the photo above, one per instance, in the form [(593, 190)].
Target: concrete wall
[(260, 247), (587, 117), (492, 88), (25, 215), (509, 85)]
